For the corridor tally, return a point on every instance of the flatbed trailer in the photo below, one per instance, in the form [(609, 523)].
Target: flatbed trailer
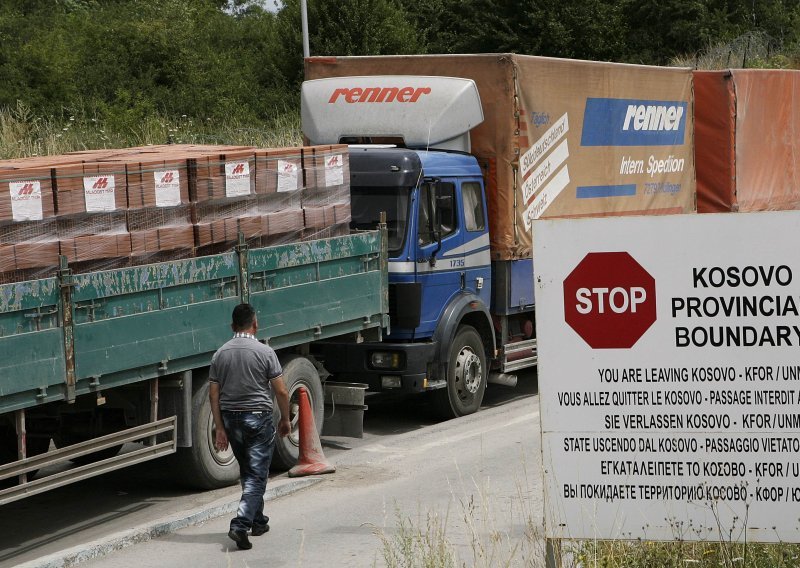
[(89, 362)]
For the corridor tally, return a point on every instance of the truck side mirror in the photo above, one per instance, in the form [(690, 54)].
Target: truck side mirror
[(442, 202)]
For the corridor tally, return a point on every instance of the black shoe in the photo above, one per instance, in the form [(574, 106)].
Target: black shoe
[(258, 530), (240, 538)]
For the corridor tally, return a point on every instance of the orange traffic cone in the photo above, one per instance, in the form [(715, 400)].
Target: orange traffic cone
[(311, 460)]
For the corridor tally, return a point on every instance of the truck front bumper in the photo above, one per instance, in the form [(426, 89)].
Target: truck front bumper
[(385, 367)]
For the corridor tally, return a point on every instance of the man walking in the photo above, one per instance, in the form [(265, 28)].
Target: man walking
[(243, 376)]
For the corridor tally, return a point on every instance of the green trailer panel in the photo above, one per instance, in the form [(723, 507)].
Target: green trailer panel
[(149, 319), (138, 323), (31, 344), (318, 289)]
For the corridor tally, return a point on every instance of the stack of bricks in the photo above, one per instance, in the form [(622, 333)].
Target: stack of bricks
[(326, 200), (112, 208), (279, 185), (91, 205), (28, 238), (158, 207), (223, 197)]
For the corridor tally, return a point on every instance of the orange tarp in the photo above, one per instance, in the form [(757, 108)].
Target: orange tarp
[(747, 135), (558, 136)]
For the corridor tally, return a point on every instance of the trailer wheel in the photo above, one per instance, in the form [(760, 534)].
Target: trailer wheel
[(297, 372), (466, 376), (201, 465)]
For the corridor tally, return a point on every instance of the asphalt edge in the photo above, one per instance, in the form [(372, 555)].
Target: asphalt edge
[(144, 532)]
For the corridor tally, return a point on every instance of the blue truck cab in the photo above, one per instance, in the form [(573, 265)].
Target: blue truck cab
[(453, 324)]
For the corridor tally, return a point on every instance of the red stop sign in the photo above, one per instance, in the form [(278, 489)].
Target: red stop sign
[(609, 300)]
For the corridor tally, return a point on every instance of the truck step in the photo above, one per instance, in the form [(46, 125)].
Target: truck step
[(503, 379), (519, 355)]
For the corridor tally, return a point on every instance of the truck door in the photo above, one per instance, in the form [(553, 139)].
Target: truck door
[(440, 258), (477, 259)]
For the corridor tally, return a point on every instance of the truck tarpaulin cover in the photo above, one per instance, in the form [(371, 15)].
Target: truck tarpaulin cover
[(748, 148), (563, 138)]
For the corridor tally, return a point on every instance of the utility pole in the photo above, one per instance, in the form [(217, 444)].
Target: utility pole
[(304, 21)]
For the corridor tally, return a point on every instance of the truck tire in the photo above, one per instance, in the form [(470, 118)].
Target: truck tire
[(297, 372), (201, 465), (466, 376)]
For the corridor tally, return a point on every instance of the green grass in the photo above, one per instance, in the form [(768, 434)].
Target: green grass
[(22, 134), (684, 554), (477, 530)]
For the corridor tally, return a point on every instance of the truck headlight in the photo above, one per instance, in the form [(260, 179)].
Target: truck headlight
[(385, 360)]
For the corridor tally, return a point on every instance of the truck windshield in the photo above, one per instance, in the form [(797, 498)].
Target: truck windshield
[(368, 202)]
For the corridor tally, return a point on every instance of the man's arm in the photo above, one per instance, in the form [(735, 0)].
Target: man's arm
[(221, 440), (282, 398)]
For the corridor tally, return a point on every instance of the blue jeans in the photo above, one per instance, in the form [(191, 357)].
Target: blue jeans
[(252, 439)]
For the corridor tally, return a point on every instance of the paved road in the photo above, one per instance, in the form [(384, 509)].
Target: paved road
[(369, 469)]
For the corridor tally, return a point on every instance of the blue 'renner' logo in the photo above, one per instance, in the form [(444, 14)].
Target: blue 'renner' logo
[(632, 122)]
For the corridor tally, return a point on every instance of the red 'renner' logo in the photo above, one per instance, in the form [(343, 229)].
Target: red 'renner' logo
[(380, 94), (333, 161), (609, 300), (238, 169), (167, 177), (101, 183)]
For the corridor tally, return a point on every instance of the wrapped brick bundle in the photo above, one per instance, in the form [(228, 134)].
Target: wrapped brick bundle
[(327, 171), (28, 237), (27, 195), (165, 243), (97, 252), (110, 208), (319, 217), (220, 176), (91, 205), (89, 188), (159, 211), (279, 171), (224, 199), (326, 200), (279, 184), (280, 227), (156, 183)]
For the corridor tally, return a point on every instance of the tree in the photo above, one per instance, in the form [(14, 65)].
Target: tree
[(343, 27)]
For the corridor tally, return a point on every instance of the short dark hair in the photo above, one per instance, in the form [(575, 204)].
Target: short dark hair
[(243, 316)]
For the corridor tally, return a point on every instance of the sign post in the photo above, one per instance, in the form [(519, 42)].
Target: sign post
[(669, 376)]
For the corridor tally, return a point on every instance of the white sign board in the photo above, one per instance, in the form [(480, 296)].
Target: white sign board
[(26, 200), (168, 188), (288, 176), (237, 179), (99, 193), (669, 376), (334, 170)]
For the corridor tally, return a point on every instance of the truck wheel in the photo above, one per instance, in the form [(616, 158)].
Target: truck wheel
[(466, 376), (297, 372), (201, 465)]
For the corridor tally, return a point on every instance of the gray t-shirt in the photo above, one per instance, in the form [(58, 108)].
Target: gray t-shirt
[(244, 367)]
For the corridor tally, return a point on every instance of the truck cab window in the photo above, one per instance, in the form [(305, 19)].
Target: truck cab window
[(474, 215), (427, 216), (366, 205)]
